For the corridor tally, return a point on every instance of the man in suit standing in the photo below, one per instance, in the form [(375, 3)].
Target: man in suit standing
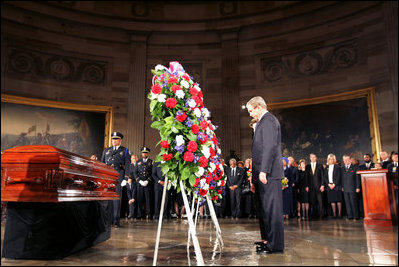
[(350, 186), (235, 176), (314, 172), (385, 160), (118, 157), (159, 183), (143, 174), (368, 163), (267, 174), (131, 190), (393, 171)]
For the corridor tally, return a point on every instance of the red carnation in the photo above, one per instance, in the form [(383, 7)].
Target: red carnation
[(171, 102), (192, 146), (181, 117), (175, 88), (220, 191), (212, 152), (203, 192), (209, 179), (214, 198), (193, 91), (203, 125), (196, 182), (172, 80), (167, 157), (200, 94), (203, 138), (156, 89), (195, 128), (186, 77), (188, 156), (164, 144), (211, 187), (203, 162), (223, 182)]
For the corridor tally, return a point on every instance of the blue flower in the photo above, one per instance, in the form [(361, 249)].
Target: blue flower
[(189, 122), (180, 148)]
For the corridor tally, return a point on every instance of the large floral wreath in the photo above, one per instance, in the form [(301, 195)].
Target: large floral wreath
[(189, 147)]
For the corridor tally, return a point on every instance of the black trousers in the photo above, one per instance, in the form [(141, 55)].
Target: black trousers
[(143, 196), (270, 212), (116, 203), (317, 199), (158, 191), (235, 199), (360, 204), (352, 209)]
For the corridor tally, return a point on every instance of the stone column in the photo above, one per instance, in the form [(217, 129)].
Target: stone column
[(391, 31), (230, 93), (137, 92)]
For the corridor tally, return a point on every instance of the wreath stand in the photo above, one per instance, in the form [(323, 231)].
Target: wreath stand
[(192, 225)]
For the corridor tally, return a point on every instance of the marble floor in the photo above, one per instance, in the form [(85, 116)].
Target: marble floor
[(319, 242)]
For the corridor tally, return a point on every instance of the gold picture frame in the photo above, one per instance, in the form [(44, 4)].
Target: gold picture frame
[(368, 93), (108, 110)]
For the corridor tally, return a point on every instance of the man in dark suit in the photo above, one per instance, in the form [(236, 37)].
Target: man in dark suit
[(314, 172), (159, 183), (235, 176), (350, 187), (118, 157), (393, 171), (267, 173), (368, 163), (131, 190), (385, 160)]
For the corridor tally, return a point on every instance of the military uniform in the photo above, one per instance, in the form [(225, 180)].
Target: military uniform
[(119, 159), (143, 175)]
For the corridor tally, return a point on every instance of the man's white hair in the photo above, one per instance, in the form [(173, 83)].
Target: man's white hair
[(257, 101)]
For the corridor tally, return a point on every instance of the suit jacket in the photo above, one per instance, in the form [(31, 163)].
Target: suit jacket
[(239, 177), (266, 148), (143, 170), (131, 190), (394, 172), (363, 166), (119, 159), (157, 176), (303, 180), (315, 180), (350, 180), (336, 177), (385, 164)]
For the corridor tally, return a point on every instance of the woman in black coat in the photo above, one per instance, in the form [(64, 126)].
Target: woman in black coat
[(332, 183), (303, 185)]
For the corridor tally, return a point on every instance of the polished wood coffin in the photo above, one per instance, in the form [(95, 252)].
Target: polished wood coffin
[(378, 197), (49, 174)]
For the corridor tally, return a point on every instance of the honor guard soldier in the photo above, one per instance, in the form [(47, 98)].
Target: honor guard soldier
[(144, 184), (117, 157)]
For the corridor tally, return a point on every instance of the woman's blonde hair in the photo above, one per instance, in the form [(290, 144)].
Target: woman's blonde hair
[(331, 156)]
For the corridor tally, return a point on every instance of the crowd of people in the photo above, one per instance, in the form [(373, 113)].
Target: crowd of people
[(310, 189)]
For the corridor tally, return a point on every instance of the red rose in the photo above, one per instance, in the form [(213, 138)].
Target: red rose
[(192, 146), (188, 156), (211, 187), (186, 77), (203, 125), (197, 100), (156, 89), (215, 198), (196, 182), (167, 157), (223, 182), (200, 94), (175, 88), (203, 192), (193, 91), (164, 144), (171, 102), (203, 162), (181, 117), (203, 138), (220, 191), (172, 80), (195, 128)]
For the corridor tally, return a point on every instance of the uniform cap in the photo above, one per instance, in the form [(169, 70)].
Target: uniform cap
[(117, 135), (145, 149)]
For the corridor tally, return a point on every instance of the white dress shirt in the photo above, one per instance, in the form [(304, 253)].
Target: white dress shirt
[(330, 173), (261, 116)]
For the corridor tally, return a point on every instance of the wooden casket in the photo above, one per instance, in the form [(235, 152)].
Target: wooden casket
[(58, 202), (49, 174)]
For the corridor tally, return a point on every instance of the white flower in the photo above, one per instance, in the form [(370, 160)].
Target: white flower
[(205, 151), (185, 84), (154, 96), (202, 182), (219, 151), (200, 172), (191, 103), (159, 67), (208, 131), (162, 98), (181, 73), (219, 183), (197, 87), (179, 140), (221, 167), (206, 113), (212, 166), (206, 186), (180, 94), (197, 112)]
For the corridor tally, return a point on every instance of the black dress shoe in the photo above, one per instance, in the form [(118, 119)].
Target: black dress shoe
[(259, 243)]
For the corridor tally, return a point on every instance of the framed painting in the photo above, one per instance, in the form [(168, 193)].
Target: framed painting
[(345, 123), (81, 129)]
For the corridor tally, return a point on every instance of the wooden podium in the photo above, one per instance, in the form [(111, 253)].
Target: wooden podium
[(378, 197)]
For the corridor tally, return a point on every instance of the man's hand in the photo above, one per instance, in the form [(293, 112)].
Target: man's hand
[(235, 187), (262, 177), (307, 189), (161, 183), (322, 188), (252, 188), (231, 188), (131, 201), (342, 189), (357, 190)]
